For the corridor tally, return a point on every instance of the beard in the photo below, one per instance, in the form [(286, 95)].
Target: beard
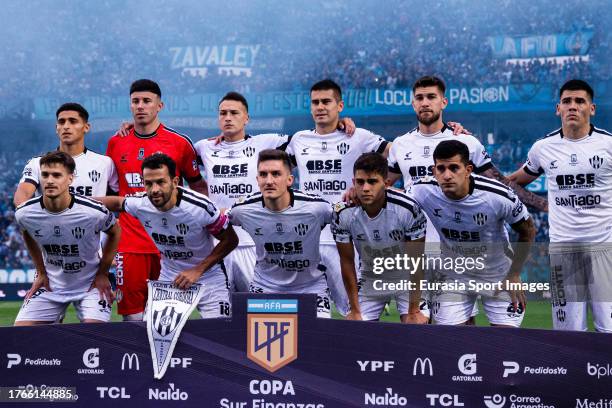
[(428, 120)]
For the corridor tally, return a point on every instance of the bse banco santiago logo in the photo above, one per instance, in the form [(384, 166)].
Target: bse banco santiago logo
[(272, 332)]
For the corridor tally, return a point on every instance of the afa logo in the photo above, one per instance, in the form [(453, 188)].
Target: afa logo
[(272, 332)]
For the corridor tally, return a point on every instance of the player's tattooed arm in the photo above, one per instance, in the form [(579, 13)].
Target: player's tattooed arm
[(101, 282), (228, 241), (458, 128), (526, 235), (415, 250), (201, 186), (349, 277), (42, 279), (113, 203), (527, 197), (24, 192)]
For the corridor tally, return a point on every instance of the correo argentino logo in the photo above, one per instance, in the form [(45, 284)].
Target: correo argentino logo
[(272, 336)]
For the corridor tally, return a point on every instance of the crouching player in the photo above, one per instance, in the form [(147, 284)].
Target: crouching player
[(385, 224), (286, 227), (469, 212), (182, 224), (62, 234)]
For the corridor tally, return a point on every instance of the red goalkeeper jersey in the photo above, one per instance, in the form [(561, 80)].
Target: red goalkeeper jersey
[(128, 153)]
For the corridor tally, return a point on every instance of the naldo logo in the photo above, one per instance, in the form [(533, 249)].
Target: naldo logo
[(468, 368)]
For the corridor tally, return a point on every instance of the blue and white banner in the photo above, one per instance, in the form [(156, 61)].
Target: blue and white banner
[(197, 61), (553, 45)]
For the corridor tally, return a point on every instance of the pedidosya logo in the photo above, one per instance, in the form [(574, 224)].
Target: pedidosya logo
[(272, 332)]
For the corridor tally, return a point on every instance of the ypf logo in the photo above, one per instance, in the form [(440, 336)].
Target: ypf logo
[(272, 332), (510, 367), (494, 401), (301, 229)]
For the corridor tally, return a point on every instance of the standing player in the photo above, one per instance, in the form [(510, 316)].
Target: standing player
[(138, 258), (95, 174), (577, 161), (324, 158), (385, 223), (62, 233), (469, 213), (286, 227), (182, 224)]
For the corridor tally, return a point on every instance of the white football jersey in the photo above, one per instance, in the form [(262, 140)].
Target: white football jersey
[(286, 242), (230, 169), (325, 162), (579, 181), (69, 241), (411, 155), (182, 233), (94, 174), (401, 219), (473, 226)]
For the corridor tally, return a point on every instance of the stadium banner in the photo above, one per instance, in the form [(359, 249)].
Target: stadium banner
[(227, 60), (336, 364), (357, 102), (13, 291), (553, 45), (167, 312)]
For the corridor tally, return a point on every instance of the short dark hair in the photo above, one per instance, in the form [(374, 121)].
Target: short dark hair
[(157, 161), (426, 81), (326, 85), (372, 162), (577, 85), (145, 85), (451, 148), (58, 157), (235, 96), (274, 154), (73, 106)]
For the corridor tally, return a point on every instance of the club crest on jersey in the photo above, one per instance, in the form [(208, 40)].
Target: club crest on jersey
[(141, 153), (480, 218), (94, 176), (272, 336), (457, 217), (396, 235), (56, 231), (249, 151), (279, 228), (323, 146), (301, 229), (182, 229), (343, 148), (78, 232), (596, 161)]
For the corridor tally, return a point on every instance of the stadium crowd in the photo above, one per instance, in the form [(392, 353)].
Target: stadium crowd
[(349, 44)]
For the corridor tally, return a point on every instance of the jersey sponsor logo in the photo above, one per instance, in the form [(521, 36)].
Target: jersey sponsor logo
[(481, 218), (285, 248), (301, 229), (417, 172), (573, 181), (596, 161), (164, 239), (227, 189), (178, 255), (78, 232), (462, 236), (248, 151), (61, 250), (94, 175), (321, 185), (324, 166), (379, 252), (291, 263), (234, 170), (81, 190), (343, 148), (68, 267), (587, 201), (134, 180), (182, 228)]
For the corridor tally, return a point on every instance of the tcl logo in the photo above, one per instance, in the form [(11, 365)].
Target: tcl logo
[(444, 400), (113, 392)]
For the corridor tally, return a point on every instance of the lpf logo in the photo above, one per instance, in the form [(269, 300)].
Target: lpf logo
[(343, 148), (94, 176), (182, 229), (78, 232), (301, 229), (272, 337)]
